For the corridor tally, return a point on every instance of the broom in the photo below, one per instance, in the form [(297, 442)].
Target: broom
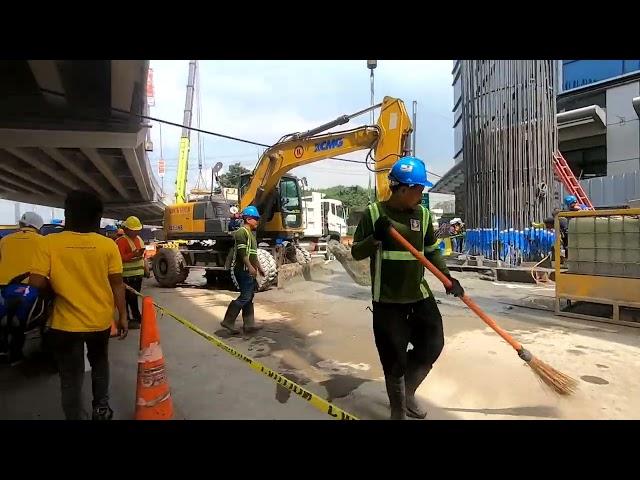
[(558, 381)]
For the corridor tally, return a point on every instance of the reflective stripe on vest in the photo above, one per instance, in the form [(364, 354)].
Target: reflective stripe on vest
[(250, 239), (394, 254), (239, 246), (133, 268)]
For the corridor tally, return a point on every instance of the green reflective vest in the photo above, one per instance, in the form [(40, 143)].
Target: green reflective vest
[(397, 277)]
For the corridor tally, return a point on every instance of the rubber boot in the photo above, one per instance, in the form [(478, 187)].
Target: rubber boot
[(102, 413), (230, 317), (414, 376), (248, 319), (396, 393)]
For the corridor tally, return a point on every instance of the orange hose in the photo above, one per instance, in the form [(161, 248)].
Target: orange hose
[(447, 283)]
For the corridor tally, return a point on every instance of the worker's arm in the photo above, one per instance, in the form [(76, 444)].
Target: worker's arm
[(40, 270), (39, 281), (117, 288), (364, 245), (126, 254), (242, 246)]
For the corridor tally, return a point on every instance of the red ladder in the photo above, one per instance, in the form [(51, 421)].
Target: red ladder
[(569, 180)]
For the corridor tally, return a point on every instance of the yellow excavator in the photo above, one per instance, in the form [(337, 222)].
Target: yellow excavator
[(198, 233)]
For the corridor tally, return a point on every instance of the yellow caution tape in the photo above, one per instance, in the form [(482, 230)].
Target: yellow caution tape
[(318, 402)]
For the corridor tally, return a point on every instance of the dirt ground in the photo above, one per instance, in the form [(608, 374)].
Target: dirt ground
[(319, 334)]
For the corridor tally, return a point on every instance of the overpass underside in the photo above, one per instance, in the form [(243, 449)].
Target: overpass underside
[(62, 128)]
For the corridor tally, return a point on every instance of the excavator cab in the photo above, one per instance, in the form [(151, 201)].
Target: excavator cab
[(281, 211)]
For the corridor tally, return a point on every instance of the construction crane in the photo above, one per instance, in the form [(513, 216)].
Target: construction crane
[(202, 227), (183, 155)]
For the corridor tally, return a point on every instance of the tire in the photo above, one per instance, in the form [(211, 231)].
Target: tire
[(302, 256), (169, 267), (268, 264)]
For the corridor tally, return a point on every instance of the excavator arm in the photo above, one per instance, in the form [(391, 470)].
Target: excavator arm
[(387, 139)]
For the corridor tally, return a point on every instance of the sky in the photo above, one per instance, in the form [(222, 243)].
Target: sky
[(263, 100)]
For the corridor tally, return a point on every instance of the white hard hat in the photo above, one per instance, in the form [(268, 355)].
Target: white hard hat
[(234, 210), (455, 220), (32, 219)]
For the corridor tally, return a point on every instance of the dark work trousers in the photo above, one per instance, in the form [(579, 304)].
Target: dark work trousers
[(395, 325), (68, 351), (132, 298), (247, 286)]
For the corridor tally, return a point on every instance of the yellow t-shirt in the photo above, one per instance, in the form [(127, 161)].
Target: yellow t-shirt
[(16, 252), (78, 266)]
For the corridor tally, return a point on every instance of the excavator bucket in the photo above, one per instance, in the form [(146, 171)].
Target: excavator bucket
[(358, 270), (311, 270)]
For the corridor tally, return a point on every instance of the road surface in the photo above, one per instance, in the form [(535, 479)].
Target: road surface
[(319, 334)]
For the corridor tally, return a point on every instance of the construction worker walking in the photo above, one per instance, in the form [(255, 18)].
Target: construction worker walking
[(245, 269), (404, 310), (131, 248), (84, 271), (16, 252)]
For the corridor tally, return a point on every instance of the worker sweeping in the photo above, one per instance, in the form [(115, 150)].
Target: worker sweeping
[(16, 251), (245, 269), (404, 310), (131, 248)]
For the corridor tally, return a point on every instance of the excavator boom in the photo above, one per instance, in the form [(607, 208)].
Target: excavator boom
[(386, 139)]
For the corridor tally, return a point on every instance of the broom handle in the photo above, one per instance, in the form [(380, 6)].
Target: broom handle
[(447, 283)]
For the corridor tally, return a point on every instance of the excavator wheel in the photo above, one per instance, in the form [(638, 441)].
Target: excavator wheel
[(169, 267), (302, 255), (268, 264)]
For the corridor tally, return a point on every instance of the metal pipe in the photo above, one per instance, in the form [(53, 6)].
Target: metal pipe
[(341, 120)]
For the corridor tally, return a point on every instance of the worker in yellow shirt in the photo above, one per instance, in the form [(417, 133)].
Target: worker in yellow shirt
[(16, 251), (84, 270)]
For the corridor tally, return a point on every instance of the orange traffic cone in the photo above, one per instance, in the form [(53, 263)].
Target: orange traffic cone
[(153, 397)]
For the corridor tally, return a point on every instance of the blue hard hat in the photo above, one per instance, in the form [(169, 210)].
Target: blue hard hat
[(250, 211), (110, 228), (409, 171), (570, 199)]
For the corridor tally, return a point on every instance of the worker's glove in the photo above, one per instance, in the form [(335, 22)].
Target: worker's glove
[(381, 228), (456, 289)]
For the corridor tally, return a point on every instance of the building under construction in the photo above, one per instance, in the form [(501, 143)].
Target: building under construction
[(508, 110), (508, 118)]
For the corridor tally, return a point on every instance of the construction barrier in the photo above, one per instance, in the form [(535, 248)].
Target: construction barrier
[(318, 402), (153, 396)]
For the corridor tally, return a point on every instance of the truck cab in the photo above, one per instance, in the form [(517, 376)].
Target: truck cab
[(325, 219)]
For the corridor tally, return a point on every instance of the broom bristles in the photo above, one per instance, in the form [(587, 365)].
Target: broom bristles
[(556, 380)]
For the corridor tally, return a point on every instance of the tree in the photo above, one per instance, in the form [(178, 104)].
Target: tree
[(231, 179)]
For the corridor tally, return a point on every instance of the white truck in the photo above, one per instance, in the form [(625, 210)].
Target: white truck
[(324, 219)]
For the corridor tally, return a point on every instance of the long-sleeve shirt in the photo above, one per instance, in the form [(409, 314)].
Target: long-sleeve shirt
[(396, 276)]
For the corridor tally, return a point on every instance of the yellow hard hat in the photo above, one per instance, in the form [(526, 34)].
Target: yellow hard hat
[(133, 223)]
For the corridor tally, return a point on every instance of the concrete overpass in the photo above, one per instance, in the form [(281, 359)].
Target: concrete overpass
[(60, 129)]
